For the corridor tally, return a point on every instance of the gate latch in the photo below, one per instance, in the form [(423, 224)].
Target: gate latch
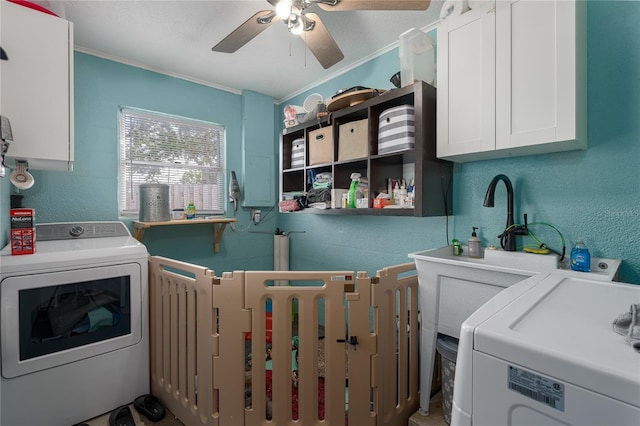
[(353, 341)]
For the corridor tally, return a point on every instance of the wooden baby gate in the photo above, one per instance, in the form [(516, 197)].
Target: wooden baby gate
[(366, 327)]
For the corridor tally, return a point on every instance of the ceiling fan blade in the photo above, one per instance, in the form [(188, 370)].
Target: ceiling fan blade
[(246, 32), (320, 42), (374, 4)]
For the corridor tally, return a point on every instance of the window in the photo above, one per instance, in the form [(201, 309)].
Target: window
[(186, 154)]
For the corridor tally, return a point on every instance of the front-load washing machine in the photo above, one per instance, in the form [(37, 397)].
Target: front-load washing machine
[(74, 339), (544, 352)]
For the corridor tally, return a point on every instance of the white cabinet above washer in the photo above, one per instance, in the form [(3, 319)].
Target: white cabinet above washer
[(37, 87), (512, 80)]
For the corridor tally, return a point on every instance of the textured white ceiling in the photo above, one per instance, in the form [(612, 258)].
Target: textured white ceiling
[(175, 37)]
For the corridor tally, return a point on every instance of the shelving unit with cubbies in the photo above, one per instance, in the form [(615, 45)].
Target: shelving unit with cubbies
[(432, 176)]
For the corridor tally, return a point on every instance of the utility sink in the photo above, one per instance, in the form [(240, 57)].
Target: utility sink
[(518, 262), (453, 287)]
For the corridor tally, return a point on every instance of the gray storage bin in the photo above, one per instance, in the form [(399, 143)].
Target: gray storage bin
[(447, 347)]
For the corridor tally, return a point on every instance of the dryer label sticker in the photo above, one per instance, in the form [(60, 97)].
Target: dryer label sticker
[(534, 386)]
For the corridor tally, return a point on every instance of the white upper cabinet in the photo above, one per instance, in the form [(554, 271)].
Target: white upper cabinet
[(512, 80), (37, 87), (466, 84)]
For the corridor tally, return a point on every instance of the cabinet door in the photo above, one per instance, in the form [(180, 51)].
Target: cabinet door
[(536, 60), (258, 150), (466, 83), (37, 89)]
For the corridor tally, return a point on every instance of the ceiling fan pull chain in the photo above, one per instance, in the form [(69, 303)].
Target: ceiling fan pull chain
[(305, 48)]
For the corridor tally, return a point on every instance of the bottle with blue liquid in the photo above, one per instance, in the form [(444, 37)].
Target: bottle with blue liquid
[(580, 257)]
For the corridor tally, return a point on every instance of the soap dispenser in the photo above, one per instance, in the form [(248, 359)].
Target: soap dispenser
[(475, 249)]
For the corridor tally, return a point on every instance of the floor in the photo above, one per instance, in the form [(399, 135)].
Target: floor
[(434, 419), (168, 420)]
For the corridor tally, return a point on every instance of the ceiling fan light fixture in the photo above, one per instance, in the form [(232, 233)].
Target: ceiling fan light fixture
[(299, 20), (297, 27), (283, 9)]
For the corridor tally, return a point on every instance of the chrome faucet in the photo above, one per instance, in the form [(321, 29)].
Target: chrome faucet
[(508, 237)]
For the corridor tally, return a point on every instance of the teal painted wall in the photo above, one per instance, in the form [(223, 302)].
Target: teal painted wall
[(90, 192), (592, 194)]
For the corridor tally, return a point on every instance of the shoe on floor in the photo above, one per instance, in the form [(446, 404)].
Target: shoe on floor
[(150, 407), (121, 416)]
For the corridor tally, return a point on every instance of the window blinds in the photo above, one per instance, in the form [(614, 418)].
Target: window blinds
[(186, 154)]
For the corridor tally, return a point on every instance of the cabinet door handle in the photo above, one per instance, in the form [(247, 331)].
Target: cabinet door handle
[(319, 137)]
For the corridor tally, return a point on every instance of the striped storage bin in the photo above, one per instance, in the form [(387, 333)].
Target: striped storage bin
[(297, 153), (396, 131)]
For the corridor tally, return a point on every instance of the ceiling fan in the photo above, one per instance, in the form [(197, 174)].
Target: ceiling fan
[(308, 24)]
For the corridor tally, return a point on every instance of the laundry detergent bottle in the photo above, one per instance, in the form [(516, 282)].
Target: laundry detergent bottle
[(355, 178), (580, 257)]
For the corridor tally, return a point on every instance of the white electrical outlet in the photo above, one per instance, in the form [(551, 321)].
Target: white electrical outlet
[(255, 216)]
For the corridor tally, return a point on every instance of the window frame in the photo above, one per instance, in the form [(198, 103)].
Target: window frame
[(124, 179)]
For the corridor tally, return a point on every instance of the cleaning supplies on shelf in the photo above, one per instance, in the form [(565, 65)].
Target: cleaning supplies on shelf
[(355, 178), (402, 194), (411, 198), (475, 249), (396, 192), (580, 257)]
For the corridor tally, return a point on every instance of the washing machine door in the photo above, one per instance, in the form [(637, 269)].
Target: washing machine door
[(54, 318)]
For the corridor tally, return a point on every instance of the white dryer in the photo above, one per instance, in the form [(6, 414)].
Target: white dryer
[(544, 352), (74, 325)]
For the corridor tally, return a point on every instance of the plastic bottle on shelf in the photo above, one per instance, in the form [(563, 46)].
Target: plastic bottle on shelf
[(396, 194), (355, 178), (580, 257), (411, 196), (190, 211), (402, 195)]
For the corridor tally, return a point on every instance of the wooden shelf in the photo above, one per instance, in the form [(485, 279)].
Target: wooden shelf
[(219, 223)]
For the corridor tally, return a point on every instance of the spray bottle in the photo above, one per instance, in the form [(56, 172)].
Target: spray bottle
[(355, 178)]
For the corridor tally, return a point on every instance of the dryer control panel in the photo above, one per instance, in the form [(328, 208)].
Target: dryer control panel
[(75, 230)]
